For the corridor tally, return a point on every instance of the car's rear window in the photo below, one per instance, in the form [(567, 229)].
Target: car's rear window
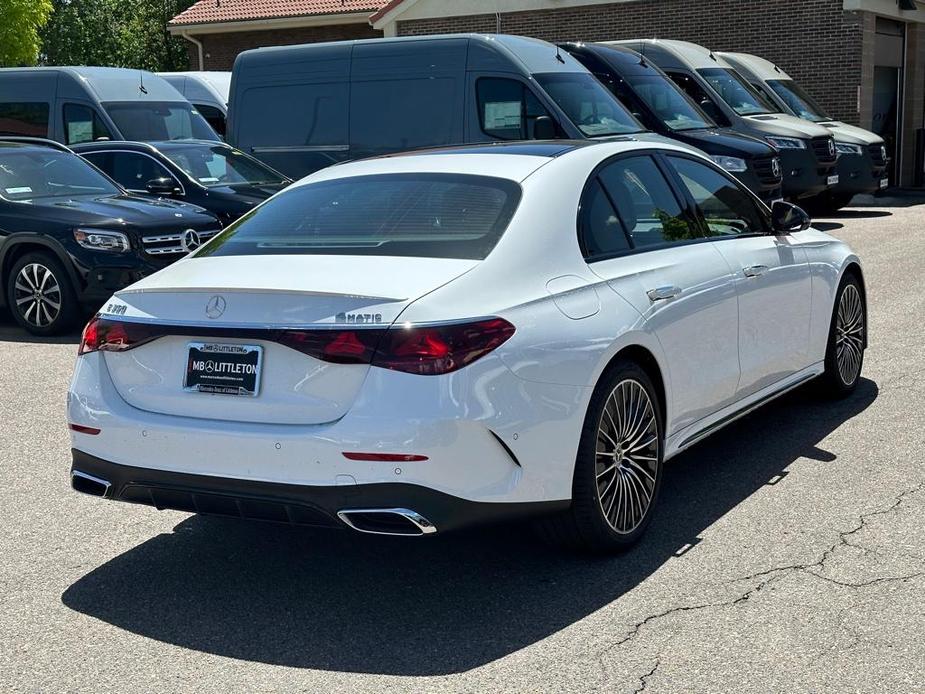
[(425, 215)]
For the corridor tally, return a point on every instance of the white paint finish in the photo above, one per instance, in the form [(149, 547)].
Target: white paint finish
[(533, 391)]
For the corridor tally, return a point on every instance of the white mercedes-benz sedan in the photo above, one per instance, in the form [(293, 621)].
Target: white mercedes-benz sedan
[(416, 343)]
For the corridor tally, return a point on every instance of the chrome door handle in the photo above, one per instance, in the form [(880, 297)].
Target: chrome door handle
[(755, 270), (662, 293)]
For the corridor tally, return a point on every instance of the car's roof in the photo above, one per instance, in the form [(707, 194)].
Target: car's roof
[(759, 67), (670, 51), (514, 161), (101, 145), (38, 146)]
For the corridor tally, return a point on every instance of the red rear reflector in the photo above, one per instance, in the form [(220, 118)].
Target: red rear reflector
[(385, 457), (80, 429), (102, 334), (440, 349)]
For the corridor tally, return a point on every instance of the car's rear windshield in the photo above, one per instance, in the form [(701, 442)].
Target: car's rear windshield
[(150, 121), (801, 103), (425, 215), (46, 173), (736, 92)]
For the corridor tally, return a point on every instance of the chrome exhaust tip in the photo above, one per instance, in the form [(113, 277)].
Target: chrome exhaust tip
[(88, 484), (387, 521)]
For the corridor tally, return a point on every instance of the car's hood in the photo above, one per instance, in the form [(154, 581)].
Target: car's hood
[(851, 133), (782, 125), (123, 210), (723, 141)]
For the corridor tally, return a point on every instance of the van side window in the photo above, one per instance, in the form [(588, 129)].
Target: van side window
[(81, 124), (647, 206), (690, 87), (507, 108), (601, 231), (213, 116), (727, 209), (393, 115), (314, 115), (29, 119)]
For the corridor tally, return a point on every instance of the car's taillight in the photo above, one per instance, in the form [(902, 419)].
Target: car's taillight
[(439, 349), (105, 335), (336, 346)]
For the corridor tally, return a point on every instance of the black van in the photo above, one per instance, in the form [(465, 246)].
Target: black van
[(661, 106), (301, 108)]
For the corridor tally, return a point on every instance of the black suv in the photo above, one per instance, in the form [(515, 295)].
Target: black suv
[(213, 175), (70, 236)]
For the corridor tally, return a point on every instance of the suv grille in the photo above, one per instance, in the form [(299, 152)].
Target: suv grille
[(177, 242), (764, 168), (877, 154), (824, 147)]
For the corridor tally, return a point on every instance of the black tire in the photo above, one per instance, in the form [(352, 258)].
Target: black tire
[(585, 525), (844, 354), (42, 318)]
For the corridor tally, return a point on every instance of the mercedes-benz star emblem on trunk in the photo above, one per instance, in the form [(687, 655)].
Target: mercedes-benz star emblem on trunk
[(216, 306), (191, 240)]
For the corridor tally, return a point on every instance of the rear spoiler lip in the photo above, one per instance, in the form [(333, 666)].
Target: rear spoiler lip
[(252, 290)]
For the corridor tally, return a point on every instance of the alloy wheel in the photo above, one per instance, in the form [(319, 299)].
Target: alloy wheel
[(849, 334), (627, 455), (37, 295)]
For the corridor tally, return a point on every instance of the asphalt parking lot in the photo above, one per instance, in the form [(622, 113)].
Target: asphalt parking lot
[(787, 555)]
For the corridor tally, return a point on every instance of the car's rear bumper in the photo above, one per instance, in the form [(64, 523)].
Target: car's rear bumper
[(291, 503)]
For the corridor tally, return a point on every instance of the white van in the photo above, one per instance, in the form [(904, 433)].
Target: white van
[(207, 91)]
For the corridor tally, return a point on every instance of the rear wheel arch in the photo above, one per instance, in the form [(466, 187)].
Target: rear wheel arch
[(647, 362)]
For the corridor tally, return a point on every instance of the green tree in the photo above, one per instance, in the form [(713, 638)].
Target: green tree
[(20, 22), (118, 33)]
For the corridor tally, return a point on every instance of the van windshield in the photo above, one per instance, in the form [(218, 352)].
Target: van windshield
[(668, 102), (153, 121), (736, 92), (423, 215), (801, 103), (221, 165), (588, 104), (35, 174)]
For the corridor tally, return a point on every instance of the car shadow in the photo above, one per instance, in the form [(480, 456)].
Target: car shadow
[(827, 226), (10, 331), (858, 213), (441, 605)]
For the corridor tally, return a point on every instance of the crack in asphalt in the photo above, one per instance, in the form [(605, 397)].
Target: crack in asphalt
[(770, 576), (644, 680)]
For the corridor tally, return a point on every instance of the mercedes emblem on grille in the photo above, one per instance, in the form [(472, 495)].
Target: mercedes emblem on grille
[(775, 167), (191, 240), (216, 306), (831, 148), (883, 152)]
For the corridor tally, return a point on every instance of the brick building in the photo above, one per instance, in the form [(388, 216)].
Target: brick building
[(864, 60)]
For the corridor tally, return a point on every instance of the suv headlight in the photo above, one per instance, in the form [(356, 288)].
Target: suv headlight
[(99, 240), (786, 142), (733, 164), (845, 148)]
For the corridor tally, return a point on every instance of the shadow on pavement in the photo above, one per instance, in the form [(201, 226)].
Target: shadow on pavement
[(827, 226), (399, 606), (11, 332), (857, 213)]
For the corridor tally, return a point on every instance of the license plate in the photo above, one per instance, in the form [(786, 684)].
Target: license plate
[(832, 180), (223, 369), (884, 182)]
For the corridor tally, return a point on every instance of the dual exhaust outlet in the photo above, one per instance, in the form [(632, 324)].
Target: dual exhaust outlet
[(375, 521)]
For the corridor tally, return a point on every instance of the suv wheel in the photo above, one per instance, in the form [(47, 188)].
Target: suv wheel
[(40, 295), (618, 470)]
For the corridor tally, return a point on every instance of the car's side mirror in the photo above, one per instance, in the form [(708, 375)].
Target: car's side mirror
[(544, 128), (162, 186), (787, 218)]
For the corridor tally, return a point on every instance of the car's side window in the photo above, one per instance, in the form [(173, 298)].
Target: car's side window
[(645, 202), (133, 171), (82, 124), (602, 233), (507, 108), (692, 88), (213, 116), (726, 208)]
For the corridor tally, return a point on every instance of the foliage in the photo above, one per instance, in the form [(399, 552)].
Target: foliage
[(119, 33), (20, 22)]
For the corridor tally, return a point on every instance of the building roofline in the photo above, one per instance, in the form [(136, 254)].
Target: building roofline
[(269, 23)]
